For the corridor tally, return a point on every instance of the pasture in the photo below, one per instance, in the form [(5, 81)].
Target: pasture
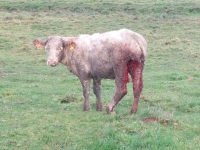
[(41, 106)]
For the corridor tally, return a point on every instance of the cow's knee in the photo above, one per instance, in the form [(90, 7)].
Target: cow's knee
[(122, 92)]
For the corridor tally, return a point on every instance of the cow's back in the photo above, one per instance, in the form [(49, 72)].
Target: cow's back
[(101, 52)]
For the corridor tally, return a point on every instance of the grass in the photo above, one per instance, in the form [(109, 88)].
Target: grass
[(41, 107)]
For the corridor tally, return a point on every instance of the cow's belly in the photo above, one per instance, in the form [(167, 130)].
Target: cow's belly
[(102, 71)]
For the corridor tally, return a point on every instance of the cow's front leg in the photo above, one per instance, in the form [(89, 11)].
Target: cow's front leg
[(86, 93), (97, 92)]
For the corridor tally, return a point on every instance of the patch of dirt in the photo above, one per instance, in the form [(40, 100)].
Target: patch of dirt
[(164, 122), (68, 99), (3, 75), (190, 78), (149, 120)]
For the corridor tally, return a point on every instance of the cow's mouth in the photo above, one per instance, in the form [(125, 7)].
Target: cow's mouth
[(52, 63)]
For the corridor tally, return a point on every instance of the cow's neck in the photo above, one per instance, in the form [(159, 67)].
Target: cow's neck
[(67, 60)]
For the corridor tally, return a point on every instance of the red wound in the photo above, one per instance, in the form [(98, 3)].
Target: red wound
[(126, 77), (132, 65)]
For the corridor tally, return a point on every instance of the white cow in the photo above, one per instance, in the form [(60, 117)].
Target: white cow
[(110, 55)]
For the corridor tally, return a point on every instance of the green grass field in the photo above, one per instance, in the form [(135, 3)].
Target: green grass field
[(41, 107)]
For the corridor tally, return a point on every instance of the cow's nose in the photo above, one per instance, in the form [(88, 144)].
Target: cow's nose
[(51, 63)]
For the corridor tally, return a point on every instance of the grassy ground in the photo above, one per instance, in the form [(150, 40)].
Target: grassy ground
[(41, 107)]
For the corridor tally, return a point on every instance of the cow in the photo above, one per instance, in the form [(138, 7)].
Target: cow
[(109, 55)]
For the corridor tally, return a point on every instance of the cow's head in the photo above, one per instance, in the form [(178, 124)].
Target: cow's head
[(55, 46)]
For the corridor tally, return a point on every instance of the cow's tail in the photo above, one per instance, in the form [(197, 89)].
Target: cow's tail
[(137, 57), (135, 69), (138, 53), (142, 44)]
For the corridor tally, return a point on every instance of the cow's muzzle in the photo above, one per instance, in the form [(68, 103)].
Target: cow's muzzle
[(52, 63)]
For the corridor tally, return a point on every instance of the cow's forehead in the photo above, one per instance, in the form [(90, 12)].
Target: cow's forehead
[(54, 41)]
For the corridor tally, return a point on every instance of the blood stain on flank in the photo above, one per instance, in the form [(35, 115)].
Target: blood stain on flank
[(126, 77), (131, 65)]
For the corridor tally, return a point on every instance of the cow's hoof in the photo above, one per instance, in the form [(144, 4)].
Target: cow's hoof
[(86, 108), (110, 111), (133, 111), (98, 107)]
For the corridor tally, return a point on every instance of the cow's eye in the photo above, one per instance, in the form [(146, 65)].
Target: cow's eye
[(46, 48), (61, 48)]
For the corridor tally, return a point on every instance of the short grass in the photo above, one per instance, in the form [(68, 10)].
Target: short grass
[(41, 107)]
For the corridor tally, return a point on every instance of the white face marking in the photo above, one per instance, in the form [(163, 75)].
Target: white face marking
[(54, 50)]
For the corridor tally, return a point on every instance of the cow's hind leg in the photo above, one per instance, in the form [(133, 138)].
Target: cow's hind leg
[(135, 70), (121, 79), (97, 92)]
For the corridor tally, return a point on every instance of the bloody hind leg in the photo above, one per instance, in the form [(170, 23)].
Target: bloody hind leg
[(135, 70), (121, 79)]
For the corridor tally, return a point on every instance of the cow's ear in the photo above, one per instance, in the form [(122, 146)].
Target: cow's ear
[(40, 44), (69, 44)]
